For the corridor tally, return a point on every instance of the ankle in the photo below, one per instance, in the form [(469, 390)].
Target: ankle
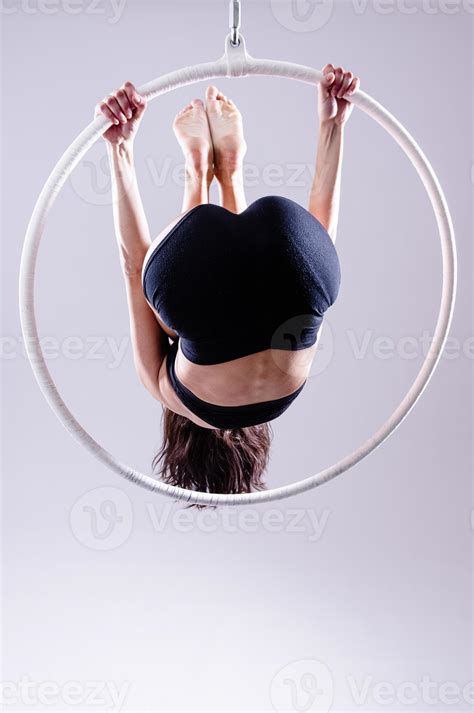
[(198, 175), (230, 176), (198, 178), (228, 162), (197, 164)]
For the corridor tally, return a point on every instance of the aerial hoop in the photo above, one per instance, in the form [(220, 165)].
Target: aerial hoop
[(235, 62)]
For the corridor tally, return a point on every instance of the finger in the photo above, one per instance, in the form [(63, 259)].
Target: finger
[(339, 75), (134, 97), (115, 108), (328, 79), (102, 108), (328, 69), (124, 104), (346, 80), (138, 111), (354, 86), (339, 72)]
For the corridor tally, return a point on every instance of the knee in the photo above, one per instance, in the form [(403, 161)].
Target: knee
[(276, 203)]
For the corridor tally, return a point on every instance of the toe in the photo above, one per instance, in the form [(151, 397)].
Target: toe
[(212, 92)]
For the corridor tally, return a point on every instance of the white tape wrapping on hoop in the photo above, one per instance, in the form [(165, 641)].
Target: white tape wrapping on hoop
[(235, 62)]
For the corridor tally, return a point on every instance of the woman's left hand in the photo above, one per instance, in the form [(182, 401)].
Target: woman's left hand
[(335, 90)]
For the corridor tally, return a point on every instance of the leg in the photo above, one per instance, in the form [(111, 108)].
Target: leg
[(196, 187), (229, 145), (192, 131), (232, 191)]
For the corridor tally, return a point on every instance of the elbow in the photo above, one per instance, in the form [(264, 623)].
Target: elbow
[(131, 261), (149, 380), (132, 267)]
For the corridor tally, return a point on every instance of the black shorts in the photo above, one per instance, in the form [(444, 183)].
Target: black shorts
[(232, 285)]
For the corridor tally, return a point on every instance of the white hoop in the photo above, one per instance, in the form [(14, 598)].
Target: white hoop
[(234, 62)]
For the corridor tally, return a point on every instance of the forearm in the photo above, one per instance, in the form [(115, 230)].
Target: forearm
[(131, 227), (325, 191)]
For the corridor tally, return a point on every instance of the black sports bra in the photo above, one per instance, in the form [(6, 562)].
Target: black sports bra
[(226, 417)]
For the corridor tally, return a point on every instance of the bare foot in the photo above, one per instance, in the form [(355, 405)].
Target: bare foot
[(191, 128), (227, 133)]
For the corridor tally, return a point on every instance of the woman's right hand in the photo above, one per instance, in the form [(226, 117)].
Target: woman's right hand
[(125, 108)]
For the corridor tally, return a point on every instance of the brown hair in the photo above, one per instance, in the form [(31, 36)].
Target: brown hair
[(211, 460)]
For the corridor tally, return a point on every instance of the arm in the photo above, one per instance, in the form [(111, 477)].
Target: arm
[(131, 227), (334, 111), (149, 342)]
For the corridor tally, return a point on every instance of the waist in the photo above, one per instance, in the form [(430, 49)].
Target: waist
[(227, 417)]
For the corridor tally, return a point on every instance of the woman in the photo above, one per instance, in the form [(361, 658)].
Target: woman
[(241, 292)]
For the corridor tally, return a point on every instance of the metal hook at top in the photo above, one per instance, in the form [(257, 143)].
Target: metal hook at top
[(234, 22)]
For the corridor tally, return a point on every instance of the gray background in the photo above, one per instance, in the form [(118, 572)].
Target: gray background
[(365, 580)]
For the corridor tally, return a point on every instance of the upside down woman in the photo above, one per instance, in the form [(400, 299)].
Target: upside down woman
[(226, 303)]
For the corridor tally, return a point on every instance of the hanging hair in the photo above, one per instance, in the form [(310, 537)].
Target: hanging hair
[(211, 460)]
